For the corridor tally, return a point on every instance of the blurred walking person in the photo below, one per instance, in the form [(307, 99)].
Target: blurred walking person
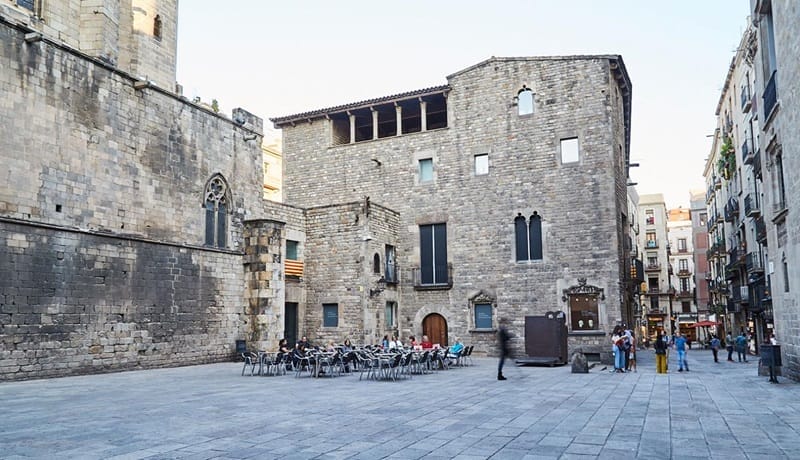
[(661, 354), (715, 347), (503, 337)]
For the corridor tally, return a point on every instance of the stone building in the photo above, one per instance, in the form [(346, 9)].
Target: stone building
[(682, 268), (776, 101), (657, 290), (503, 194), (699, 217), (126, 211), (738, 253)]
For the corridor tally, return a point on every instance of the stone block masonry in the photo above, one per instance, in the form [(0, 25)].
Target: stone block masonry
[(77, 303)]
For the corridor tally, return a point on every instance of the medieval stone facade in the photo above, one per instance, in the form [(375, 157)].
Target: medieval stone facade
[(511, 152)]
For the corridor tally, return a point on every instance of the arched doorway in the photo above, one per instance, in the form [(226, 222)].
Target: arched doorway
[(435, 327)]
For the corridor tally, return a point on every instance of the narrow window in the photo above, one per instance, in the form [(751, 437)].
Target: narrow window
[(525, 101), (650, 218), (535, 236), (652, 242), (569, 150), (682, 245), (686, 307), (216, 210), (157, 27), (426, 170), (291, 250), (482, 164), (376, 263), (433, 254), (521, 237), (483, 316), (785, 274), (390, 314), (330, 315), (390, 274)]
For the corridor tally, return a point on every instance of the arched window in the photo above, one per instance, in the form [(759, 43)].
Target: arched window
[(535, 236), (521, 237), (157, 27), (216, 205), (525, 101), (528, 237), (376, 263)]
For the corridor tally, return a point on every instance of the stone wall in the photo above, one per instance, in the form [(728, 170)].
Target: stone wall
[(102, 221), (580, 203), (78, 302)]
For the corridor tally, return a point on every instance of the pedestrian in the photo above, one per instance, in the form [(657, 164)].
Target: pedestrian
[(616, 347), (772, 339), (741, 347), (729, 346), (632, 355), (503, 337), (681, 345), (661, 354), (715, 347)]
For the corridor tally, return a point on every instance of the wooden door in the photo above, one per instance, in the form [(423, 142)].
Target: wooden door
[(290, 324), (435, 327)]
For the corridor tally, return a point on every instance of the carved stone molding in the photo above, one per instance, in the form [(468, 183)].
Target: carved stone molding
[(583, 288)]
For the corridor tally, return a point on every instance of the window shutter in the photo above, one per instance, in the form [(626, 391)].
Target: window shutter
[(536, 236), (440, 253), (426, 254), (521, 237)]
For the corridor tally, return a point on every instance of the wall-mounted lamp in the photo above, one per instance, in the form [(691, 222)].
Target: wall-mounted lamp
[(380, 286)]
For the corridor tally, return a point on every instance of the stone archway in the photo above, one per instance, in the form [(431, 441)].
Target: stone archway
[(435, 327)]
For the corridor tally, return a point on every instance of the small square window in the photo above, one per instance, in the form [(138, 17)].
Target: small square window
[(569, 150), (426, 170), (330, 315), (482, 164), (291, 250)]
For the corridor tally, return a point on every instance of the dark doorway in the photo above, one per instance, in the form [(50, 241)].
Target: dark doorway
[(435, 327), (290, 323)]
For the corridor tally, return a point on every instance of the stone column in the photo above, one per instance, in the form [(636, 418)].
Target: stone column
[(374, 123), (399, 111), (264, 290), (352, 127), (423, 111)]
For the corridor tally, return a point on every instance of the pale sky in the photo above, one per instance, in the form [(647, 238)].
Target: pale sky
[(285, 57)]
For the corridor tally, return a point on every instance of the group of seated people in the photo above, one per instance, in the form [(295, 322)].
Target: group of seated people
[(304, 348)]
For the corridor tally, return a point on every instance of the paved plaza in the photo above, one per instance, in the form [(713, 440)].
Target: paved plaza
[(722, 411)]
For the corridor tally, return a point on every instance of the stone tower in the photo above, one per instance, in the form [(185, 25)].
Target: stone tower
[(137, 36)]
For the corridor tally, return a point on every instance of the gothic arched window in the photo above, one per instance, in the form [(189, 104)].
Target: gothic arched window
[(525, 101), (216, 205)]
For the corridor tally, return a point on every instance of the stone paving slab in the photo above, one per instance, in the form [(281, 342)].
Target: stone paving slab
[(718, 410)]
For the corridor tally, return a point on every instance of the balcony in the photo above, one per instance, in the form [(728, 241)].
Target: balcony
[(761, 230), (733, 307), (650, 221), (751, 208), (684, 294), (651, 244), (684, 272), (433, 278), (740, 294), (731, 210), (717, 183), (653, 290), (753, 263), (745, 98), (747, 155), (757, 164), (653, 267), (770, 95)]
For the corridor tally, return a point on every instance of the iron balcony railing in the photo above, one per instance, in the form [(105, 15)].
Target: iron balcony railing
[(747, 154), (753, 263), (761, 230), (652, 244), (770, 95), (751, 206), (653, 267), (745, 98), (438, 277)]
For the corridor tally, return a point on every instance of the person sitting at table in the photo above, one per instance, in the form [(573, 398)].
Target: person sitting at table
[(412, 341), (385, 342), (395, 343), (347, 346), (331, 347), (455, 351), (426, 343), (283, 346), (304, 342)]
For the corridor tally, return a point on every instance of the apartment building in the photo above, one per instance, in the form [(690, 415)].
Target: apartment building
[(657, 293)]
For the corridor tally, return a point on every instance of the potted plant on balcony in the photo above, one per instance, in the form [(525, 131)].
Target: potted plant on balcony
[(727, 161)]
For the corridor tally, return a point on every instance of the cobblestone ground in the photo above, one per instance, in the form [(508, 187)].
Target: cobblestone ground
[(718, 410)]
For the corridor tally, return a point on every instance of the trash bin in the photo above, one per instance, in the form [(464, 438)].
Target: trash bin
[(771, 358), (241, 346)]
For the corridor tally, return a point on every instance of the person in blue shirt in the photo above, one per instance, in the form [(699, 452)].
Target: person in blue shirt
[(680, 348), (715, 344)]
